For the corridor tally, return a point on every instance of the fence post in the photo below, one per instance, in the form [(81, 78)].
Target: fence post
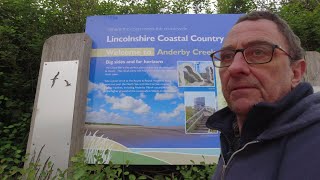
[(60, 102)]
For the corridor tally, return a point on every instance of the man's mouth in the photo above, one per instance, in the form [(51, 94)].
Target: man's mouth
[(241, 87)]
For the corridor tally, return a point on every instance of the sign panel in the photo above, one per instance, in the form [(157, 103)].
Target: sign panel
[(153, 86), (54, 112)]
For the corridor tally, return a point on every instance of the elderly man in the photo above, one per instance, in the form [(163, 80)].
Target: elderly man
[(271, 127)]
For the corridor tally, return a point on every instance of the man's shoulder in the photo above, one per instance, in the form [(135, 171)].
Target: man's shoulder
[(302, 151), (306, 138), (302, 117), (311, 109)]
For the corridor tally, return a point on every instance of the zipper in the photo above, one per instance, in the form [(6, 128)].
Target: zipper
[(225, 166), (223, 171), (224, 162)]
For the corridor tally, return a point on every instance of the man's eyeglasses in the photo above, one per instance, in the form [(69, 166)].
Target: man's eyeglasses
[(256, 54)]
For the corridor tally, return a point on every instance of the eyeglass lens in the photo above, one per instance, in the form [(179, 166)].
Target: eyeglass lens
[(256, 54)]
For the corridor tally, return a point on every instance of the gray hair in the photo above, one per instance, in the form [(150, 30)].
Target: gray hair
[(295, 50)]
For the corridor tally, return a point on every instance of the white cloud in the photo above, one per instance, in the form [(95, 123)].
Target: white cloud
[(171, 92), (171, 89), (173, 102), (164, 74), (99, 94), (101, 88), (174, 113), (103, 116), (142, 96), (128, 103), (164, 96)]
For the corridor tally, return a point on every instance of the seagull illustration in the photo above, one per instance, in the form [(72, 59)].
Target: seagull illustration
[(68, 84), (54, 79)]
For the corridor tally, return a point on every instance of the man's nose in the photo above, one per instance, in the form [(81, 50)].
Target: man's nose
[(239, 65)]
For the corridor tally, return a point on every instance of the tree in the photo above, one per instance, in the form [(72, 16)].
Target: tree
[(20, 48), (235, 6), (304, 19), (303, 16)]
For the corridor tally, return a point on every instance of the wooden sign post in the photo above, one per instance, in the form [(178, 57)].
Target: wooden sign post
[(60, 102)]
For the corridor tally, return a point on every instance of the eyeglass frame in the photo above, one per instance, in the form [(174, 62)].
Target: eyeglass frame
[(274, 46)]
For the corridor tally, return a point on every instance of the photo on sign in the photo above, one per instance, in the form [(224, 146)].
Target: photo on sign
[(199, 106), (195, 73)]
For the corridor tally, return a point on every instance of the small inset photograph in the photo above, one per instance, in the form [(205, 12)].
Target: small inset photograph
[(195, 73), (199, 106)]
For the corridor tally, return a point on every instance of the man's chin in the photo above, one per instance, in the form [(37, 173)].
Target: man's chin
[(241, 107)]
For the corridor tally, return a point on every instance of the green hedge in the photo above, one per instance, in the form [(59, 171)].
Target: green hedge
[(81, 170)]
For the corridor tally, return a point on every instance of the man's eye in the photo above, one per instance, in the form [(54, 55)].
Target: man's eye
[(258, 52), (226, 56)]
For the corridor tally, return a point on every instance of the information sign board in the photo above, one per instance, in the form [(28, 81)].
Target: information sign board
[(153, 86)]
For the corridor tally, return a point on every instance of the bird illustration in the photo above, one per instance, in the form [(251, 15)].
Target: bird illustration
[(54, 79), (68, 84)]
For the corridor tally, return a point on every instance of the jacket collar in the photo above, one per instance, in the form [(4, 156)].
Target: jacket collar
[(260, 116)]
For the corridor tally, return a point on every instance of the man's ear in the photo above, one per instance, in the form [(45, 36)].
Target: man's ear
[(298, 68)]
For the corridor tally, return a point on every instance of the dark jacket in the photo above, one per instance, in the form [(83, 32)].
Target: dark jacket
[(279, 141)]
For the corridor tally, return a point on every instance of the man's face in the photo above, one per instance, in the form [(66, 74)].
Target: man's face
[(244, 85)]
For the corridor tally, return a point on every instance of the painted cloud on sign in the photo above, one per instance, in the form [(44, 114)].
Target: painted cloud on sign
[(176, 112), (170, 92), (97, 87), (128, 103), (170, 75), (102, 116)]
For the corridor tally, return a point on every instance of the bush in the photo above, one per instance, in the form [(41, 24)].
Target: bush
[(81, 170)]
